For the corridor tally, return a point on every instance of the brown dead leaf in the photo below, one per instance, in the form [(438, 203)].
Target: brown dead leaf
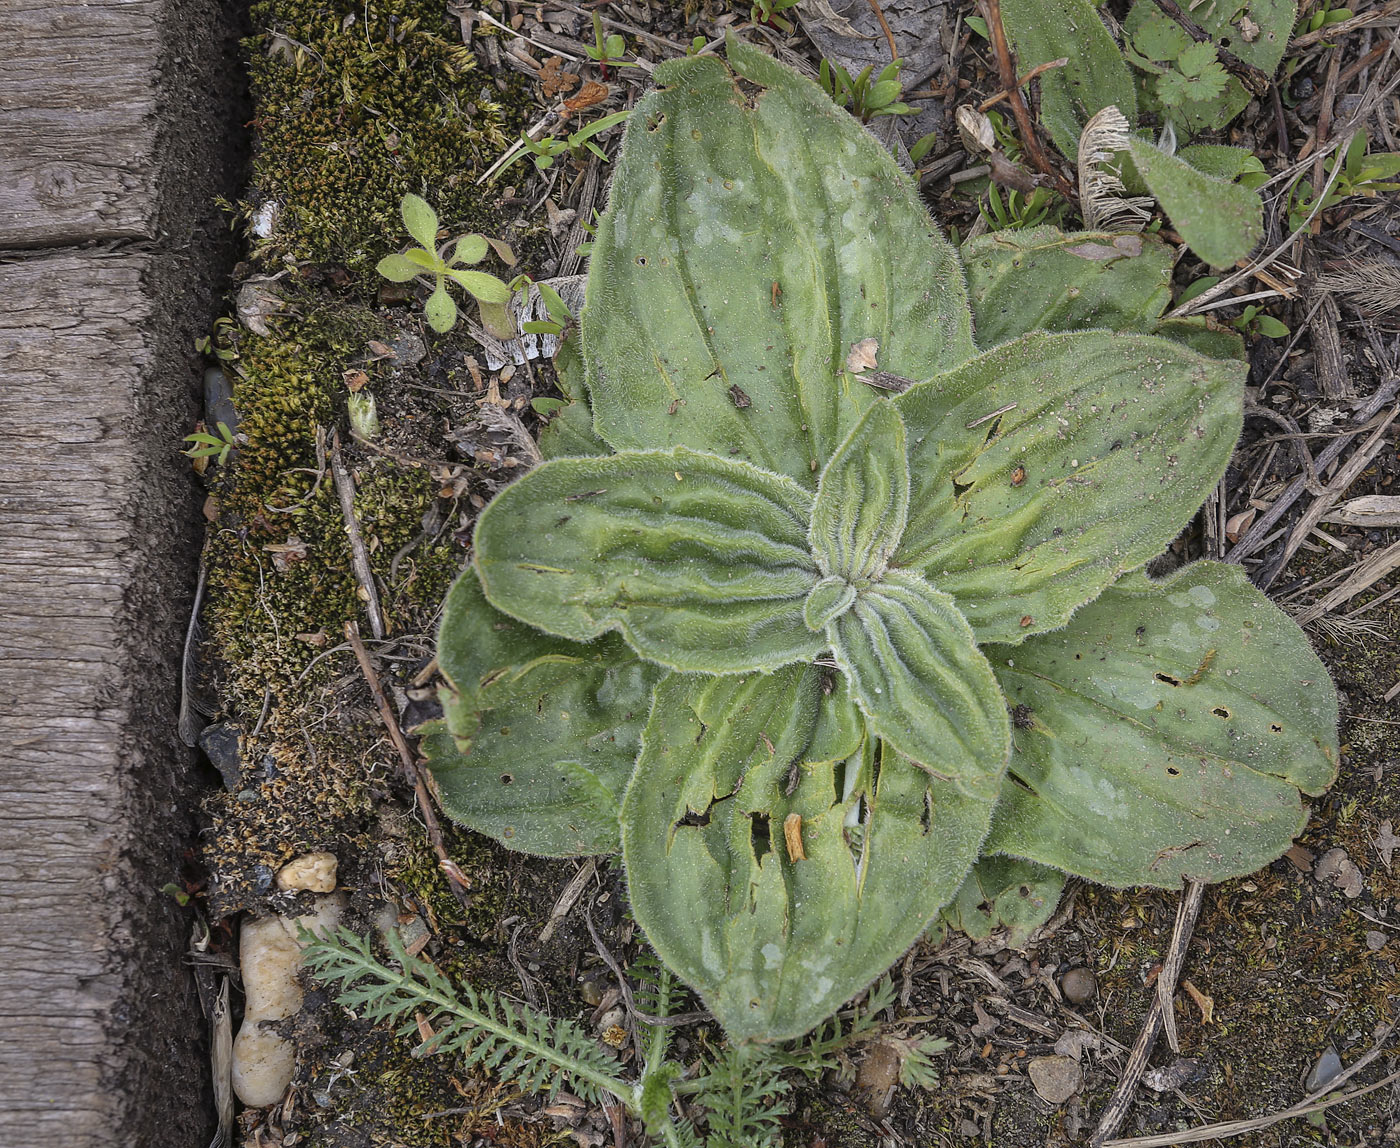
[(1300, 858), (1203, 1002), (380, 350), (590, 94), (425, 1030), (355, 381), (555, 79), (1237, 524), (862, 356)]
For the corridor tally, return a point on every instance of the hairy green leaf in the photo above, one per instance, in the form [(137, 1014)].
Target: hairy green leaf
[(470, 249), (1054, 463), (923, 685), (1005, 893), (1220, 221), (440, 310), (480, 285), (397, 268), (420, 219), (1044, 279), (700, 562), (863, 498), (1165, 734), (742, 255), (540, 734), (1094, 77), (729, 769)]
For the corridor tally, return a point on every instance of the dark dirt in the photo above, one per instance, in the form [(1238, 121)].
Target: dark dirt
[(1281, 965)]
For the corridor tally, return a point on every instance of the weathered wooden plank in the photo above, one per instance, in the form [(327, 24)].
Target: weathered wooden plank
[(98, 1036), (77, 120)]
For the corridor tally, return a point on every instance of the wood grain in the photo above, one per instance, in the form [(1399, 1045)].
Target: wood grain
[(77, 120), (95, 1019)]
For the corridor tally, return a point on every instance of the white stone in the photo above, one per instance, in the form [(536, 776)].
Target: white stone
[(263, 1062), (314, 872)]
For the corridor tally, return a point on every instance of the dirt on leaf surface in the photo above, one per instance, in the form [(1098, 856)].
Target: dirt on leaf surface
[(358, 105)]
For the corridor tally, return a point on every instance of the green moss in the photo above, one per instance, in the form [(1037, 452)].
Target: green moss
[(357, 105), (281, 583), (397, 1099)]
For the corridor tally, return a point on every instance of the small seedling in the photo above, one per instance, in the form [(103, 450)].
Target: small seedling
[(1361, 174), (766, 12), (1017, 211), (203, 444), (1324, 17), (576, 144), (867, 95), (428, 260), (1254, 321), (560, 319), (605, 49)]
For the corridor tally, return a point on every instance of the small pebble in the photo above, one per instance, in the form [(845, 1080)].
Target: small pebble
[(1326, 1070), (1375, 940), (1079, 985), (314, 872), (1055, 1078)]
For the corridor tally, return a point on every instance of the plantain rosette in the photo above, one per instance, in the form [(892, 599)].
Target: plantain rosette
[(806, 650)]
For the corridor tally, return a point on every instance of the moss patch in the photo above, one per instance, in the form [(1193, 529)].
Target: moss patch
[(357, 105)]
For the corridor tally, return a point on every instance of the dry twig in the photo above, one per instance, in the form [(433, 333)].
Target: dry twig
[(359, 554), (1311, 1103), (1117, 1108), (991, 12), (413, 772), (1256, 80)]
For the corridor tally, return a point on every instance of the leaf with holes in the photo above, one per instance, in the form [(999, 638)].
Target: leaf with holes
[(775, 860), (539, 734), (1007, 897), (738, 262), (1054, 463), (1166, 733), (869, 598)]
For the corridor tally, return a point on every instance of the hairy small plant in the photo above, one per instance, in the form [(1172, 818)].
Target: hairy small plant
[(441, 264), (833, 620)]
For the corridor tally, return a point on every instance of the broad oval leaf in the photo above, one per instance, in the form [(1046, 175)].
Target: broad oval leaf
[(1220, 221), (440, 310), (540, 734), (700, 562), (745, 249), (1093, 77), (779, 880), (1053, 463), (1043, 279), (480, 285), (397, 268), (420, 219), (1165, 734), (917, 675), (469, 249), (863, 498)]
